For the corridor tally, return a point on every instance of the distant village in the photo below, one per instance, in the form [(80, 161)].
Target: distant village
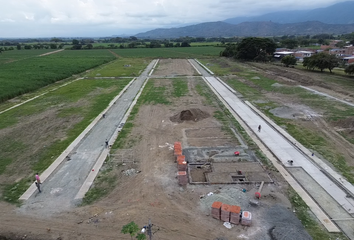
[(346, 53)]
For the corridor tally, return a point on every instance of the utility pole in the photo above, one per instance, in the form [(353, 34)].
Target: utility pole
[(149, 231)]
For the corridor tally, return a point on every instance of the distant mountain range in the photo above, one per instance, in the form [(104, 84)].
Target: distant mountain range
[(247, 29), (336, 19), (340, 13)]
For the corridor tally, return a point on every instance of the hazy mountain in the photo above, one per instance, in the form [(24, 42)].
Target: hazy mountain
[(340, 13), (257, 29)]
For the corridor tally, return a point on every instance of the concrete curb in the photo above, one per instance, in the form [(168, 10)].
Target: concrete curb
[(153, 68), (65, 153), (194, 67), (207, 69)]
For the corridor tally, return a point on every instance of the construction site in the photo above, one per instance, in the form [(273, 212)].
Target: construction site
[(191, 173)]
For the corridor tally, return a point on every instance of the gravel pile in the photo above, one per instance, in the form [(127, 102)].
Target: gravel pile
[(130, 172), (285, 225)]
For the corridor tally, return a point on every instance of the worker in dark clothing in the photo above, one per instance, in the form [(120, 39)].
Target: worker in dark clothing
[(38, 182), (259, 128)]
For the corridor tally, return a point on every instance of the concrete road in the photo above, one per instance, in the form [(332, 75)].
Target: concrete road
[(62, 185), (284, 150)]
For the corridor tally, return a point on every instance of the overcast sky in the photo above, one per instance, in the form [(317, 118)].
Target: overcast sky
[(95, 18)]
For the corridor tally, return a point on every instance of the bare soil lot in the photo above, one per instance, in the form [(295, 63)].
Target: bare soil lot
[(153, 192)]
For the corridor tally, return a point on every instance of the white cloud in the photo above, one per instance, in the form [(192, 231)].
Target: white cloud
[(39, 18)]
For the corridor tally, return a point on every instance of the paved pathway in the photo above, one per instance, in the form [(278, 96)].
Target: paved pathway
[(60, 188)]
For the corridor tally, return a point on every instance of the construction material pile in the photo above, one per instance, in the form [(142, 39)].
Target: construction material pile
[(181, 164), (230, 213)]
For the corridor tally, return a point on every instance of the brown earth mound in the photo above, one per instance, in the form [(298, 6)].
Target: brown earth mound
[(194, 114)]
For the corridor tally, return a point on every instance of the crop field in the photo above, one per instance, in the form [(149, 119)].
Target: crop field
[(177, 52), (205, 44), (15, 55), (31, 73)]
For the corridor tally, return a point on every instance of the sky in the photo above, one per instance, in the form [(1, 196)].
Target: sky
[(105, 18)]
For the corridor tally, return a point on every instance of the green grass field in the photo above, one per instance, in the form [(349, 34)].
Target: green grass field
[(122, 67)]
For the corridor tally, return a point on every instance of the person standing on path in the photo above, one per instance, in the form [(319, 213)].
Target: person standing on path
[(106, 143), (38, 182), (259, 128)]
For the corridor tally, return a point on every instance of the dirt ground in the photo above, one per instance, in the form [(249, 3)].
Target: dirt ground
[(153, 193)]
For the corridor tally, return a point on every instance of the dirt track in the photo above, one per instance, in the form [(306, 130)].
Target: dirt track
[(178, 213)]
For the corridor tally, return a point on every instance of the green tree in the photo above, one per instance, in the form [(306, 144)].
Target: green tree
[(230, 51), (289, 43), (288, 60), (185, 44), (55, 39), (132, 228), (340, 44), (250, 48), (18, 46), (321, 61), (308, 63), (89, 46), (349, 69), (75, 42), (141, 236), (53, 46)]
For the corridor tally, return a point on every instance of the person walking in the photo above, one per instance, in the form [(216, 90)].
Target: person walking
[(106, 143), (259, 128), (38, 182)]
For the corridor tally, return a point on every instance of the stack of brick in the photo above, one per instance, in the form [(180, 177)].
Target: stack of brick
[(235, 214), (181, 163), (182, 178), (246, 218), (177, 149), (216, 210), (225, 212)]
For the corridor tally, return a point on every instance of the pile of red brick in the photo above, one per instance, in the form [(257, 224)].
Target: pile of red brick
[(181, 164), (230, 213)]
